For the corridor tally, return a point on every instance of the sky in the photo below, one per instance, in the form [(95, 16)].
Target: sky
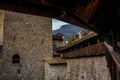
[(56, 24)]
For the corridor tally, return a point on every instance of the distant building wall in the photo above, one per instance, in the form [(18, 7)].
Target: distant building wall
[(82, 33), (58, 44), (58, 41), (31, 38), (87, 69)]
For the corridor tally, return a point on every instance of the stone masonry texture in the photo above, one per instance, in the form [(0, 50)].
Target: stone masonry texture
[(30, 37), (1, 27), (55, 72), (1, 39), (87, 69)]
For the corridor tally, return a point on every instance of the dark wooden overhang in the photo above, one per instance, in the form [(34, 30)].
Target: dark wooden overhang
[(96, 15), (56, 61)]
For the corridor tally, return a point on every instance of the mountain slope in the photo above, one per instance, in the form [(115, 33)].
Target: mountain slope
[(67, 30)]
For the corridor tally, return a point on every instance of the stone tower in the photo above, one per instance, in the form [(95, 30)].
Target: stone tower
[(27, 42)]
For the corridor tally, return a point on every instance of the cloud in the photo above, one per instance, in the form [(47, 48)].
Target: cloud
[(56, 24)]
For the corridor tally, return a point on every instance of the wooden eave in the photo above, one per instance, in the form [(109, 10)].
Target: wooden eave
[(90, 14), (56, 61)]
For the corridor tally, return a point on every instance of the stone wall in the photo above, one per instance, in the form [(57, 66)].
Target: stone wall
[(87, 69), (55, 72), (30, 37), (1, 26), (1, 39), (90, 68)]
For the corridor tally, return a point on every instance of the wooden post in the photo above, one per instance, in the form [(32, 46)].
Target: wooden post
[(62, 56), (98, 41), (118, 77)]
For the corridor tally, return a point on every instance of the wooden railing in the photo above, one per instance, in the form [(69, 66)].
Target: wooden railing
[(112, 56), (93, 50), (113, 59)]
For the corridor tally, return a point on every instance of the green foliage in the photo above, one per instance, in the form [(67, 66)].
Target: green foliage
[(72, 38)]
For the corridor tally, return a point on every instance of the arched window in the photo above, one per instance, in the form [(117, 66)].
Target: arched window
[(16, 58)]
